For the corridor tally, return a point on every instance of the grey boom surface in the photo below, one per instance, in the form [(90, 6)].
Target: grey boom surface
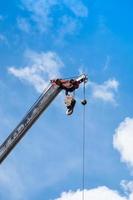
[(40, 105)]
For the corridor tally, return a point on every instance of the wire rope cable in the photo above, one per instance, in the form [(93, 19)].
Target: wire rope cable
[(83, 146)]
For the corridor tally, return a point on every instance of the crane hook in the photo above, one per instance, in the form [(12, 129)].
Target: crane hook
[(84, 101)]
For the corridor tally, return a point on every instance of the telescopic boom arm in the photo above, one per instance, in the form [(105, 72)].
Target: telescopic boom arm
[(55, 87)]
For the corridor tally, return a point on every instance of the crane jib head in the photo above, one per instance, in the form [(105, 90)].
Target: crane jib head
[(70, 85)]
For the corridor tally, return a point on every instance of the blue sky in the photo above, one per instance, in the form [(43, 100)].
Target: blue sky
[(41, 40)]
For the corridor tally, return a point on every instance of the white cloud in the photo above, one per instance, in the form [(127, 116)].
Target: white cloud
[(41, 12), (107, 62), (123, 141), (127, 186), (23, 24), (3, 39), (77, 7), (106, 91), (68, 27), (100, 193), (41, 68)]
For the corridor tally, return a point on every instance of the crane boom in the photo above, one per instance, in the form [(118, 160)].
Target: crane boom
[(39, 106)]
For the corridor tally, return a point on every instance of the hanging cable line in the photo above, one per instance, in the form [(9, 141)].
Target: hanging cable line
[(84, 102)]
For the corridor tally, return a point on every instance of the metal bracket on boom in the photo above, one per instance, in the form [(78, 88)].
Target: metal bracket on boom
[(70, 85)]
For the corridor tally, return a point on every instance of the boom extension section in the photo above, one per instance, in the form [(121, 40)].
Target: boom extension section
[(55, 87)]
